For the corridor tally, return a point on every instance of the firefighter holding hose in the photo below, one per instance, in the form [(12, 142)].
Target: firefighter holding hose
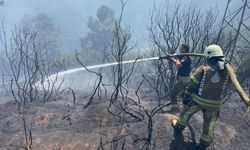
[(205, 92), (182, 63)]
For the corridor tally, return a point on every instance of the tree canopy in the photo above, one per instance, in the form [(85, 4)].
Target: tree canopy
[(46, 30), (99, 36)]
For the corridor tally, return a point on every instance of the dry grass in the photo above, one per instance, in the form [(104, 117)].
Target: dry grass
[(55, 125)]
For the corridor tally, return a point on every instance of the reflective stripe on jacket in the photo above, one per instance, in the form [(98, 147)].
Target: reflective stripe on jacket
[(207, 103)]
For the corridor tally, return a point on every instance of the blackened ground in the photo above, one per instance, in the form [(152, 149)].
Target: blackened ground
[(57, 125)]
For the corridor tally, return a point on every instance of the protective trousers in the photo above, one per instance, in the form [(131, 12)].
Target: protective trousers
[(210, 118), (178, 90)]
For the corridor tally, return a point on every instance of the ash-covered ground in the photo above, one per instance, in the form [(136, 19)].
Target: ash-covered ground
[(57, 125)]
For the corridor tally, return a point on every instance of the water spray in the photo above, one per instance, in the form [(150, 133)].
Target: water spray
[(70, 71), (230, 71), (123, 62)]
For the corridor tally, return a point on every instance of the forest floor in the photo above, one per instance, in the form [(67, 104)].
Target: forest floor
[(57, 125)]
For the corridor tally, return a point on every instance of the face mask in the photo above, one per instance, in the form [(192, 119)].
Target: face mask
[(216, 63)]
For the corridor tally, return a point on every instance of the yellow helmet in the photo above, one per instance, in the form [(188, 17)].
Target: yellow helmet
[(213, 51)]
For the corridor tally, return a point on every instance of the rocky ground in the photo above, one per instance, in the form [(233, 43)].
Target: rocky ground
[(57, 125)]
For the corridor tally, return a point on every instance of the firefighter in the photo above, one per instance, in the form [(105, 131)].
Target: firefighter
[(183, 64), (205, 92)]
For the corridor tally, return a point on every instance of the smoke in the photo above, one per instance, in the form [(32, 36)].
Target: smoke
[(72, 16)]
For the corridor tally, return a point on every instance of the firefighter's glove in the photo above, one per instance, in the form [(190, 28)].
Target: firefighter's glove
[(185, 101)]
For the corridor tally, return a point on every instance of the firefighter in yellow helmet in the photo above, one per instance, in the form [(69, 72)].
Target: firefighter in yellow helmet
[(205, 92)]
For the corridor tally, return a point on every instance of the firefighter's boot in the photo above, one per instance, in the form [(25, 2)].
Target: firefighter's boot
[(177, 127)]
